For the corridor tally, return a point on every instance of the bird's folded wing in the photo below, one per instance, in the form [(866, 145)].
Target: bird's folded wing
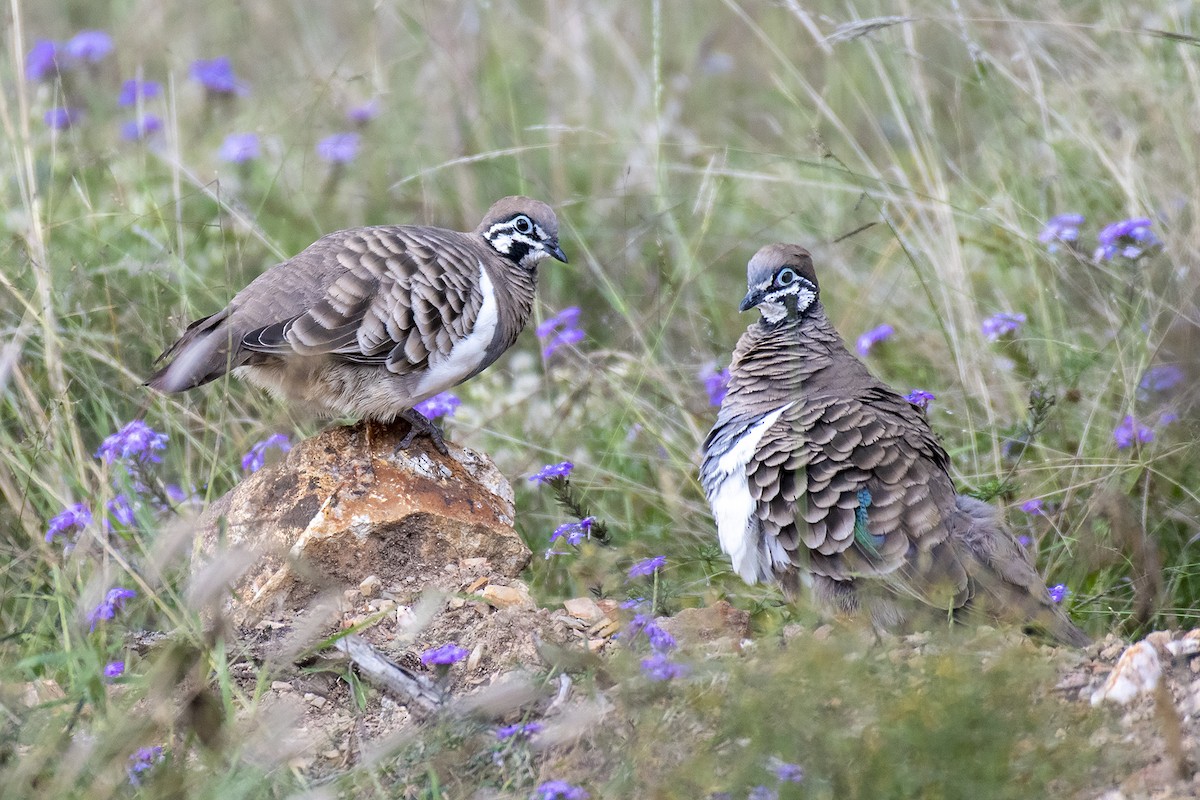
[(834, 464), (405, 297)]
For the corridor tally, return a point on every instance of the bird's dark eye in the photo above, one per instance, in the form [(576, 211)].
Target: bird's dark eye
[(786, 277), (522, 224)]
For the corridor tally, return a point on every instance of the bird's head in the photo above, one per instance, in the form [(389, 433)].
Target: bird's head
[(522, 230), (781, 282)]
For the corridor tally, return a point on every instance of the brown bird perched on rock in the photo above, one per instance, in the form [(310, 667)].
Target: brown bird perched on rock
[(368, 322), (817, 472)]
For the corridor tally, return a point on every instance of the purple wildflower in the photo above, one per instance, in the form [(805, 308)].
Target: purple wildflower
[(113, 602), (1024, 541), (144, 759), (120, 509), (253, 461), (340, 148), (216, 76), (873, 337), (520, 730), (137, 441), (920, 398), (1033, 507), (60, 118), (114, 669), (238, 148), (561, 329), (362, 114), (567, 318), (659, 667), (440, 405), (574, 532), (647, 566), (1161, 377), (1061, 228), (1002, 324), (563, 338), (1130, 431), (785, 772), (559, 790), (42, 60), (134, 92), (90, 46), (763, 793), (72, 518), (445, 655), (716, 383), (660, 640), (1128, 237), (1058, 592), (634, 603), (144, 126), (552, 471)]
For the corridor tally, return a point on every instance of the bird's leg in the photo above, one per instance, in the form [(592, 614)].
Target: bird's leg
[(420, 425)]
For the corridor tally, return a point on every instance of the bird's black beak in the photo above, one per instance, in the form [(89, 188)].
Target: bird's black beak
[(557, 252), (752, 298)]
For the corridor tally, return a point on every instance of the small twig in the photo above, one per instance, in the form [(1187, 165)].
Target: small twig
[(383, 674)]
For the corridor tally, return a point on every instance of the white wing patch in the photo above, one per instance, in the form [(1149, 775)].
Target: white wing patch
[(733, 506), (466, 354)]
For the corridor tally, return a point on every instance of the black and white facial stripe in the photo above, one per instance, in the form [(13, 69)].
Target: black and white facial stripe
[(522, 240), (785, 293)]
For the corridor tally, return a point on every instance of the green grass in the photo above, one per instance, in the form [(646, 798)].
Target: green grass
[(673, 140)]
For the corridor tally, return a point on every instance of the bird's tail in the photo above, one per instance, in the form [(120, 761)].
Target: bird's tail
[(1005, 585), (200, 355)]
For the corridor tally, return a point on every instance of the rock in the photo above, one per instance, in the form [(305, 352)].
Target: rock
[(344, 507), (1137, 671), (584, 608), (514, 596), (720, 625)]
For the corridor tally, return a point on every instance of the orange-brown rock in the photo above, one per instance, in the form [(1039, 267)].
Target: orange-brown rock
[(344, 506)]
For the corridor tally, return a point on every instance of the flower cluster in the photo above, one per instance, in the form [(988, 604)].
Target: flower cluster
[(574, 532), (71, 519), (1059, 592), (239, 148), (114, 669), (137, 443), (658, 666), (559, 790), (520, 730), (440, 405), (340, 148), (48, 58), (1062, 228), (1161, 378), (873, 337), (552, 472), (1130, 431), (444, 656), (141, 761), (216, 76), (1129, 238), (647, 566), (920, 398), (1002, 324), (561, 330), (1033, 507), (253, 461), (114, 601), (716, 383)]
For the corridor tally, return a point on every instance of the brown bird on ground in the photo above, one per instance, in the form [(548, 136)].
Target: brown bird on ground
[(817, 472), (368, 322)]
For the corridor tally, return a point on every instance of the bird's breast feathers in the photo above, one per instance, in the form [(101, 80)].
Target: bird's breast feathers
[(734, 507), (467, 354)]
